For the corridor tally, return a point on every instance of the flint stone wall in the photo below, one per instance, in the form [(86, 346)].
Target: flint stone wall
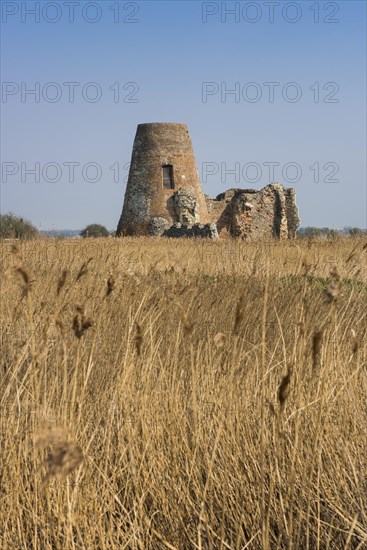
[(197, 230), (250, 214)]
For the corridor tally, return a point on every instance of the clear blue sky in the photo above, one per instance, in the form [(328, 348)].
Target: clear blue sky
[(167, 54)]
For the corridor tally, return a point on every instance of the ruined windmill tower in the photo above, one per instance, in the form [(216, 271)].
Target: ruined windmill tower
[(164, 195), (163, 188)]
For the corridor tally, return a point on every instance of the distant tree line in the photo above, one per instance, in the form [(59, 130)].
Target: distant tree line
[(15, 227), (327, 233)]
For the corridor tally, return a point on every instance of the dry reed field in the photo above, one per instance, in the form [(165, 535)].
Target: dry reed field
[(183, 394)]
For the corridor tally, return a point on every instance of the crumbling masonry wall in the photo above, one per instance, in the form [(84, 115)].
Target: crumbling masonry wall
[(250, 214), (164, 196)]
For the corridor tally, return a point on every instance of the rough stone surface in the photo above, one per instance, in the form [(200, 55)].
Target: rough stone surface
[(180, 209), (196, 230), (292, 213), (186, 206), (157, 226)]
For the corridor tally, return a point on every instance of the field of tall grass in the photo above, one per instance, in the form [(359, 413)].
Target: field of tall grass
[(183, 394)]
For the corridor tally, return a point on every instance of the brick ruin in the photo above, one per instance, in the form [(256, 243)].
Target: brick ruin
[(164, 196), (251, 214)]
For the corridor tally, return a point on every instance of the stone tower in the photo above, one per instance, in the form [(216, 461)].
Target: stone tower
[(164, 186)]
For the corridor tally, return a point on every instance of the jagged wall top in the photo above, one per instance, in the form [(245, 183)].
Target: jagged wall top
[(164, 190)]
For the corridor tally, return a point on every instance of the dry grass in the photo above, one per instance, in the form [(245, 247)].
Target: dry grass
[(183, 394)]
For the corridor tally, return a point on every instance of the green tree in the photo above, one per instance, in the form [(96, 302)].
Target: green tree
[(15, 227), (94, 230)]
